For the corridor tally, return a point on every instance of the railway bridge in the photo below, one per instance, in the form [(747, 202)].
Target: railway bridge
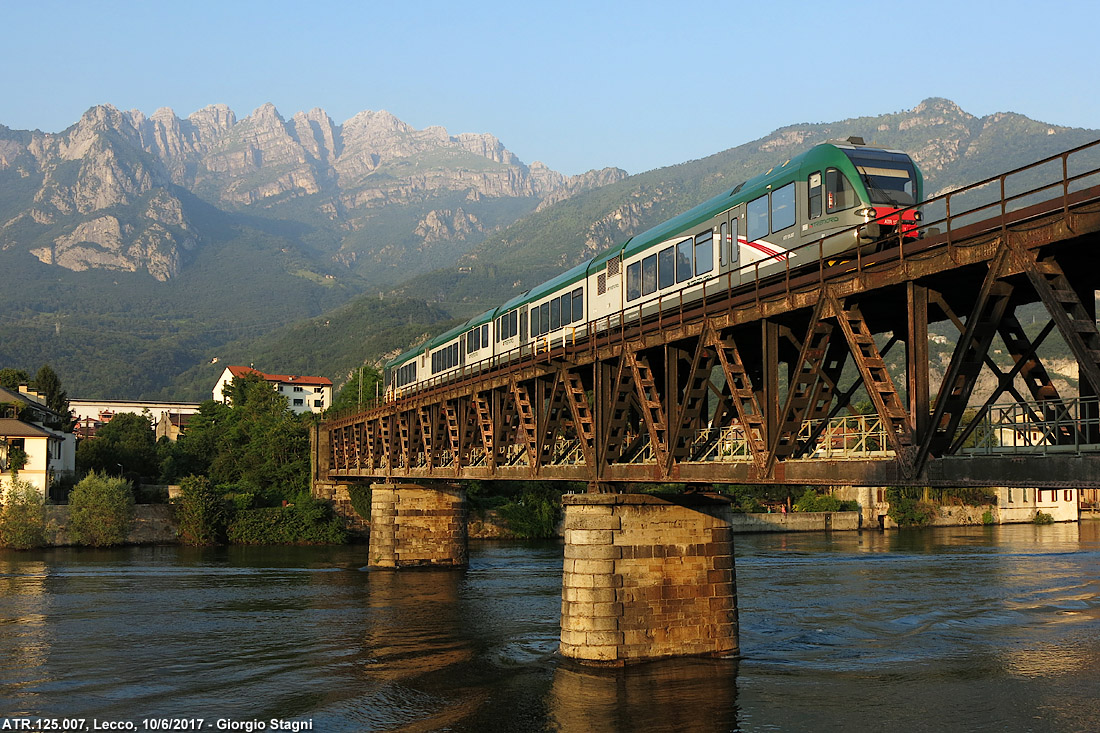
[(821, 375)]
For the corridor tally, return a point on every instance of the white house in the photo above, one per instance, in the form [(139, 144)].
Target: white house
[(168, 417), (304, 394), (25, 429)]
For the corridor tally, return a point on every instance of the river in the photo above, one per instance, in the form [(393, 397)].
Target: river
[(962, 629)]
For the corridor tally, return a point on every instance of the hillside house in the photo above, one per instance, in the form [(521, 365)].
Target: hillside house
[(169, 418), (27, 428), (304, 394)]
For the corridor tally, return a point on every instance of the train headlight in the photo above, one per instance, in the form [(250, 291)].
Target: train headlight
[(869, 213)]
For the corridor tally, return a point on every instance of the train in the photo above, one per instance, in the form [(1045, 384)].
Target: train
[(844, 195)]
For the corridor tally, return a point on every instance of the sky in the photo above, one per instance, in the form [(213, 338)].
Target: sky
[(576, 85)]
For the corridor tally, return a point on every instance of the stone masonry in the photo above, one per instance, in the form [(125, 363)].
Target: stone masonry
[(340, 496), (412, 525), (647, 577)]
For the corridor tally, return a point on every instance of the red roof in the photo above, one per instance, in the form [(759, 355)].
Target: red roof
[(240, 371)]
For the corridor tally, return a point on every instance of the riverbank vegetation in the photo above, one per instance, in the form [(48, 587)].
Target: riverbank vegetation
[(22, 516), (101, 510)]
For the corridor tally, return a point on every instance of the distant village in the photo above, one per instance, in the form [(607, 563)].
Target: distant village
[(34, 441)]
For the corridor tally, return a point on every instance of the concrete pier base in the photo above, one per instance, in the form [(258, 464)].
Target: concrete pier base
[(413, 526), (647, 577)]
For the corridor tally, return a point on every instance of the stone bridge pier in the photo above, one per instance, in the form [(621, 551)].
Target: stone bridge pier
[(647, 577), (413, 525)]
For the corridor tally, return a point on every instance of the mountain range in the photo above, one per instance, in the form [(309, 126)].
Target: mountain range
[(143, 253)]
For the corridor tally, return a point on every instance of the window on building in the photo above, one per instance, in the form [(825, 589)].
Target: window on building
[(783, 208), (318, 390), (318, 403), (299, 403), (704, 253)]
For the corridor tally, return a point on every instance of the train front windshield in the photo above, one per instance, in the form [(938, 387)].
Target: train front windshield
[(889, 177)]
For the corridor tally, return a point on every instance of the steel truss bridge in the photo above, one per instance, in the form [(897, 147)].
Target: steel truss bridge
[(760, 383)]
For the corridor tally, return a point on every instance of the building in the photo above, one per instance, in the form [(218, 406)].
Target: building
[(29, 429), (168, 417), (304, 394)]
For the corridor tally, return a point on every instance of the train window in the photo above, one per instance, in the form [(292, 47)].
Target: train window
[(735, 252), (555, 314), (683, 261), (666, 267), (724, 244), (535, 322), (783, 208), (813, 189), (470, 342), (544, 318), (634, 281), (513, 323), (839, 194), (649, 275), (566, 310), (704, 253), (758, 219), (578, 304)]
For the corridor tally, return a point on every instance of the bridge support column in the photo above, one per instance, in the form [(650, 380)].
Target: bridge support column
[(647, 577), (413, 525)]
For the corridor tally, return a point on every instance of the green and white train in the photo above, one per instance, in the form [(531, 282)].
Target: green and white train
[(756, 230)]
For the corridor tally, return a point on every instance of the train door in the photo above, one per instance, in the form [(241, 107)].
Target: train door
[(731, 247), (523, 330)]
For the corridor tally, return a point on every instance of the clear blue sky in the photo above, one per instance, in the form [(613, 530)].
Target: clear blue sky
[(578, 85)]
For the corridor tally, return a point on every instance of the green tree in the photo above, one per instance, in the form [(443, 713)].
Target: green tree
[(48, 384), (202, 512), (22, 516), (127, 444), (12, 378), (256, 443), (101, 509), (350, 395)]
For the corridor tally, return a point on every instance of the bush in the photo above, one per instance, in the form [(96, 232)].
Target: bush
[(987, 517), (22, 516), (101, 509), (309, 521), (535, 514), (1044, 518), (811, 501), (907, 511), (744, 499), (360, 500), (201, 511)]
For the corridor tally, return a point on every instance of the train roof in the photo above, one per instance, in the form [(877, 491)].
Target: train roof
[(570, 276)]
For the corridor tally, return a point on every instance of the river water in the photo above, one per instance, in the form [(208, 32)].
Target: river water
[(950, 629)]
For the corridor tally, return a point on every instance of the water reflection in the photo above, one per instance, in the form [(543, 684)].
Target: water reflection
[(957, 629), (670, 695)]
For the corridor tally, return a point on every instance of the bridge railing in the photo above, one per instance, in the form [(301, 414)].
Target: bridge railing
[(946, 219), (1038, 428)]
